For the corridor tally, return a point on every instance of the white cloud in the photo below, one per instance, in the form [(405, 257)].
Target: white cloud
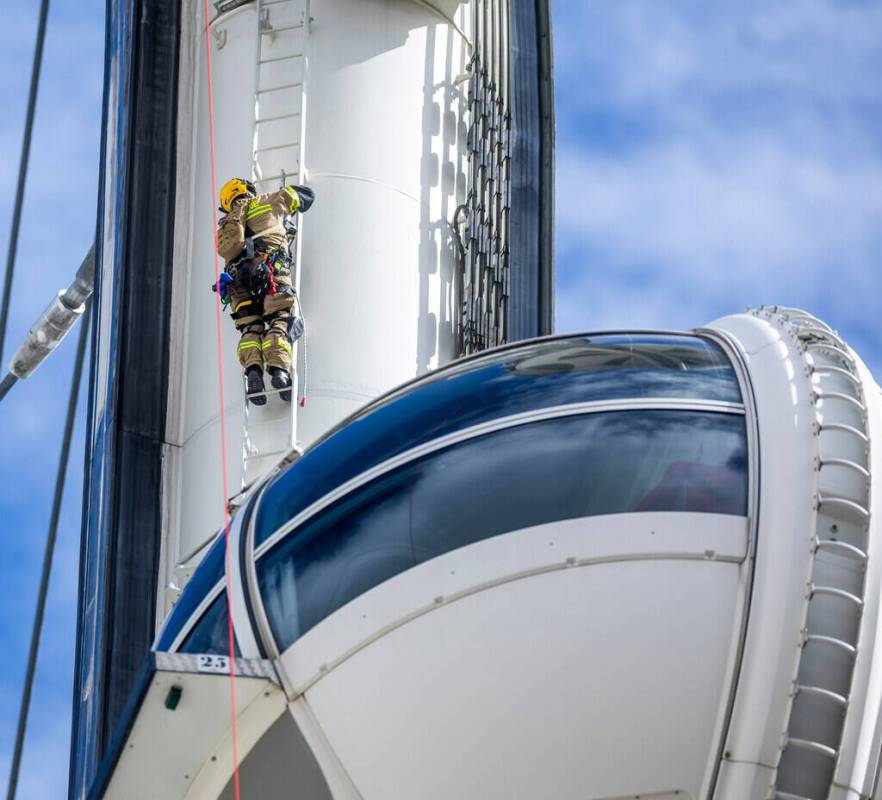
[(713, 158)]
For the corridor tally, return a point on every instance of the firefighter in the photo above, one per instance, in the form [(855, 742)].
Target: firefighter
[(253, 241)]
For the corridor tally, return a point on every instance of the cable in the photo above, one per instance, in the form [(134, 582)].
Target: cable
[(47, 556), (22, 171), (6, 384), (223, 421)]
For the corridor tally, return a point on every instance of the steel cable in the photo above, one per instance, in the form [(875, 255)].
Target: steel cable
[(6, 384), (22, 171), (48, 553)]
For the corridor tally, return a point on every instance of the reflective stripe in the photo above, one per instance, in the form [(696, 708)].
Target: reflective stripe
[(295, 199), (243, 303), (247, 345), (280, 342), (256, 211)]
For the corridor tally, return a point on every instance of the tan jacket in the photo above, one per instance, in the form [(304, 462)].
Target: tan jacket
[(262, 218)]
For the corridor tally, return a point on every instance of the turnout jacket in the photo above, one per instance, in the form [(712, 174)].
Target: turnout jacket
[(262, 218)]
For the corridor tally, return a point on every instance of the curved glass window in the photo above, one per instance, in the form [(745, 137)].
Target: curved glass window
[(211, 635), (508, 480), (203, 580), (536, 375)]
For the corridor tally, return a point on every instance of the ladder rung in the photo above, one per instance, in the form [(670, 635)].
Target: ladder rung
[(833, 544), (838, 371), (831, 348), (268, 392), (839, 699), (838, 426), (268, 148), (279, 88), (815, 638), (279, 58), (265, 3), (814, 747), (264, 455), (843, 502), (270, 31), (275, 177), (819, 332), (820, 395), (260, 121), (832, 591), (844, 462), (801, 315)]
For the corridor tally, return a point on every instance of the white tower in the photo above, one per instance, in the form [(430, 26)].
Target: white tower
[(425, 128)]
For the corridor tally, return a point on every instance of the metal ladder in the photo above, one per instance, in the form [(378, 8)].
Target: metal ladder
[(277, 156), (834, 598)]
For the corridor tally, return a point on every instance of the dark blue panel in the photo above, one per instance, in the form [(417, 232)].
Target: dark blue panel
[(532, 376), (202, 581), (102, 416), (212, 633), (120, 551), (512, 479), (531, 219)]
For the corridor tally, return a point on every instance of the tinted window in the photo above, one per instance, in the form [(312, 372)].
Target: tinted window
[(203, 580), (536, 375), (211, 633), (512, 479)]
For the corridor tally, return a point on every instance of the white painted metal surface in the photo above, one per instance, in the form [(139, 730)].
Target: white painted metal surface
[(186, 752), (806, 716), (550, 662), (386, 129)]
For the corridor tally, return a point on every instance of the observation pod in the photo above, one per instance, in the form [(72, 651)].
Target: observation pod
[(609, 565)]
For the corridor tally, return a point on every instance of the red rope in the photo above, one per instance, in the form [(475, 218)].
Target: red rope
[(223, 421)]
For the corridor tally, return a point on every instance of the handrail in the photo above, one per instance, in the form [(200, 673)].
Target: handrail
[(813, 747), (844, 502), (806, 330), (844, 462), (834, 544), (818, 691), (818, 345), (825, 368), (841, 644), (843, 428), (821, 395), (832, 591)]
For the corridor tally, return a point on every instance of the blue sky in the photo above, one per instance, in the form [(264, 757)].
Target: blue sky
[(711, 156)]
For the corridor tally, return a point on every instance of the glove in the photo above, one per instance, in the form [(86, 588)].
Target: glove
[(222, 287), (306, 197)]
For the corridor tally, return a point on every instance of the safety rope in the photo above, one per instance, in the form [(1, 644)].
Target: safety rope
[(223, 421)]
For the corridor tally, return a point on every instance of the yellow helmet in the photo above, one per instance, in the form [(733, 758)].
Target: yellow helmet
[(232, 189)]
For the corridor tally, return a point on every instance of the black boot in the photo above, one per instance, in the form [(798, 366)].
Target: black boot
[(254, 388), (281, 379)]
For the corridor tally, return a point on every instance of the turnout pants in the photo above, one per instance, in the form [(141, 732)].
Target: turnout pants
[(263, 324)]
